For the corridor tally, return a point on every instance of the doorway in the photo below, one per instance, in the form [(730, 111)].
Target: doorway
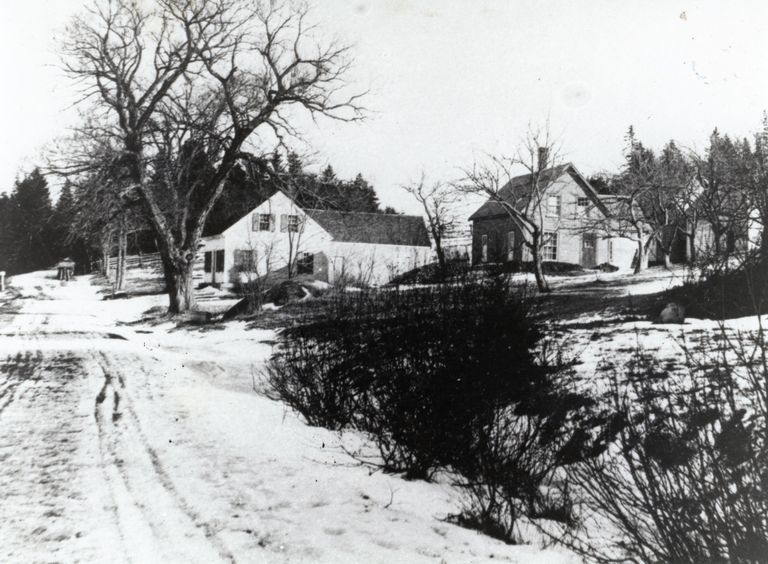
[(588, 243)]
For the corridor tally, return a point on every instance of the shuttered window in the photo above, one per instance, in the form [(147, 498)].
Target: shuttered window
[(289, 223), (244, 260), (263, 222)]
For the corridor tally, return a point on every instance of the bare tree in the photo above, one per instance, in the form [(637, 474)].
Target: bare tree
[(524, 204), (649, 192), (724, 175), (688, 216), (106, 208), (437, 201), (185, 81)]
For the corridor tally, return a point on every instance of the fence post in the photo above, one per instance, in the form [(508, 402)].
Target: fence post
[(2, 280)]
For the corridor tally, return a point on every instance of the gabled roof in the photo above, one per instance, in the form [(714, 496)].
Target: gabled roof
[(375, 228), (361, 227), (518, 188)]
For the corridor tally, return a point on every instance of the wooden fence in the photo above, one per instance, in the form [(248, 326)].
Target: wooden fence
[(151, 260)]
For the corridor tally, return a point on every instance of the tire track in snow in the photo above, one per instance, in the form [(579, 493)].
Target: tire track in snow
[(18, 375), (154, 518), (48, 499)]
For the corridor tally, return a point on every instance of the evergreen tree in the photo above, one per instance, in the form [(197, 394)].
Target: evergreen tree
[(61, 221), (295, 165), (7, 246), (328, 175), (363, 195), (30, 224), (724, 173)]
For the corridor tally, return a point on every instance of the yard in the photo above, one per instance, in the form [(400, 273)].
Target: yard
[(185, 459)]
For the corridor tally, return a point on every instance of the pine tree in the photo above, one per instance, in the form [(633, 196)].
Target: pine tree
[(7, 246), (30, 224), (295, 165), (328, 176), (61, 220), (364, 195)]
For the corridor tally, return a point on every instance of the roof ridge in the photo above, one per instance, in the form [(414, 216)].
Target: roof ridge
[(546, 170), (363, 213)]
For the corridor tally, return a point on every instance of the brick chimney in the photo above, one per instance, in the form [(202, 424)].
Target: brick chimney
[(543, 157)]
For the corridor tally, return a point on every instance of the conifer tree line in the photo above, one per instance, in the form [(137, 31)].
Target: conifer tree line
[(35, 233)]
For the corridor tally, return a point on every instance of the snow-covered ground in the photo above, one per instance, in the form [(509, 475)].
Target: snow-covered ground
[(134, 442), (605, 340)]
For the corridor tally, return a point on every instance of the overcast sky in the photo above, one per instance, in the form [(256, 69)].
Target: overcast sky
[(452, 79)]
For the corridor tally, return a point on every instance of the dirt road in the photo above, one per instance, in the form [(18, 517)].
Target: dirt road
[(79, 481)]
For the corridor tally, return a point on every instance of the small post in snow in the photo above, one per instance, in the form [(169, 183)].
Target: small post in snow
[(2, 280)]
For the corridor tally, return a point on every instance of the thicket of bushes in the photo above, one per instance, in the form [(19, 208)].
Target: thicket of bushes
[(671, 466), (686, 477), (727, 287), (440, 378)]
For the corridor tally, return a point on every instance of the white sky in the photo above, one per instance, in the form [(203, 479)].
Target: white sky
[(452, 79)]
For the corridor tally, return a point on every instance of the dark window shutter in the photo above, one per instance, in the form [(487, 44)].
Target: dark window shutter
[(219, 261)]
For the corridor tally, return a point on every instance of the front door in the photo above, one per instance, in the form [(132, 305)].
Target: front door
[(218, 267), (213, 266), (588, 241)]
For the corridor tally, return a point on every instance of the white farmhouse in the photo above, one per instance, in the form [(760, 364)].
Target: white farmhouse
[(279, 237)]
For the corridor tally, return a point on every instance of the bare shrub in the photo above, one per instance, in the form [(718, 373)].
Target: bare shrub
[(311, 378), (440, 378), (686, 477)]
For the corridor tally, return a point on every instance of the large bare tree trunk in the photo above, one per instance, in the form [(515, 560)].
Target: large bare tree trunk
[(179, 282)]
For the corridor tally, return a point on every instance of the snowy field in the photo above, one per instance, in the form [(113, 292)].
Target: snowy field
[(139, 442)]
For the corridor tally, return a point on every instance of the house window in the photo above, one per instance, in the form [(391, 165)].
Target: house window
[(511, 245), (583, 205), (553, 206), (289, 223), (549, 247), (484, 250), (610, 252), (244, 260), (305, 264), (262, 222)]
